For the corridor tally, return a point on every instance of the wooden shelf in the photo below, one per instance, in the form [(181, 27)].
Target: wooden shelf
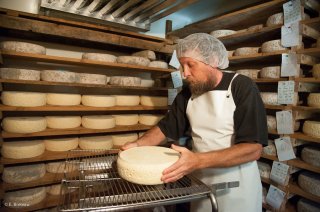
[(81, 108), (277, 107), (270, 182), (313, 22), (75, 131), (273, 132), (80, 62), (305, 108), (315, 52), (295, 189), (269, 157), (261, 80), (255, 57), (302, 136), (307, 79), (303, 165)]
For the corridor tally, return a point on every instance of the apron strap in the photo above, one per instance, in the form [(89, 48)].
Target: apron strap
[(229, 88)]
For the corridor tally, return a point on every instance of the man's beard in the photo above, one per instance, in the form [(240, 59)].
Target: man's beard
[(199, 88)]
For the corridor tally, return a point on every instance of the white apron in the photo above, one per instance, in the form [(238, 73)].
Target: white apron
[(211, 120)]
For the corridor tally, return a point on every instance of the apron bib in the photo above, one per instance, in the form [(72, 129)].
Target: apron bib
[(211, 118)]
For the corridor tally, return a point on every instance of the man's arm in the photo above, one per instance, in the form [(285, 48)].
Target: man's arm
[(190, 161)]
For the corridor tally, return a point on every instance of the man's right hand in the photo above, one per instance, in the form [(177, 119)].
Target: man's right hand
[(129, 145)]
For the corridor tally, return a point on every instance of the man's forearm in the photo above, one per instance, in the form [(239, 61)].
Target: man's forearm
[(152, 137)]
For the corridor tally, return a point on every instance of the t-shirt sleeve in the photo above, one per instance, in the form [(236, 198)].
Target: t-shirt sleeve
[(175, 123), (250, 120)]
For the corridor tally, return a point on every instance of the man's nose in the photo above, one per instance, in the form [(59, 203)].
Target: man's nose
[(186, 72)]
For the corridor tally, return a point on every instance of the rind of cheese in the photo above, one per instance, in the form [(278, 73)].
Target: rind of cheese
[(149, 119), (314, 100), (272, 46), (127, 100), (309, 182), (144, 165), (311, 128), (311, 155), (63, 99), (251, 73), (58, 76), (222, 33), (19, 74), (61, 167), (158, 64), (125, 81), (255, 28), (97, 79), (243, 51), (121, 139), (264, 169), (316, 70), (133, 60), (98, 100), (146, 53), (271, 72), (24, 124), (159, 101), (23, 99), (305, 205), (100, 57), (98, 122), (22, 149), (96, 142), (126, 119), (275, 19), (230, 53), (270, 150), (23, 174), (61, 144), (24, 198), (147, 83), (270, 98), (63, 122), (271, 122), (24, 47)]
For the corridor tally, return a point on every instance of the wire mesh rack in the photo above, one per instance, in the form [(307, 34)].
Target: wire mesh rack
[(96, 186)]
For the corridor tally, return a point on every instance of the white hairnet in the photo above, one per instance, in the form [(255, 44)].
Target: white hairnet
[(205, 48)]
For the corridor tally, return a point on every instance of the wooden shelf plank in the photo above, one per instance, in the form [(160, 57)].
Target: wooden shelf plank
[(276, 107), (303, 165), (305, 108), (312, 22), (80, 62), (261, 80), (75, 131), (80, 108), (273, 132), (270, 182), (254, 57), (269, 157), (302, 136), (307, 79), (295, 189), (315, 52)]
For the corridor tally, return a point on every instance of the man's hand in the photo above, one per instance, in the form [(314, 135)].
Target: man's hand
[(129, 145), (187, 163)]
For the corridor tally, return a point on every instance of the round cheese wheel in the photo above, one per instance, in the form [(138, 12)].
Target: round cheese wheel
[(19, 74), (159, 101), (147, 83), (311, 128), (149, 119), (98, 122), (146, 53), (125, 81), (63, 99), (271, 122), (305, 205), (100, 57), (264, 169), (97, 79), (251, 73), (309, 182), (230, 53), (98, 100), (23, 174), (311, 155), (275, 19), (25, 197), (269, 98), (222, 33), (23, 99), (96, 142), (63, 122), (121, 139), (61, 167), (61, 144), (55, 189), (314, 100), (126, 119), (316, 70), (133, 60), (22, 149), (243, 51), (272, 46), (24, 124), (158, 64), (144, 165), (255, 28), (58, 76), (271, 72), (270, 150), (24, 47), (127, 100)]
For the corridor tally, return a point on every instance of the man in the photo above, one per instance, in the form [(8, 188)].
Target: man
[(228, 126)]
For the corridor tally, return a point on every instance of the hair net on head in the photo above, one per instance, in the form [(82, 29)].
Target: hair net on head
[(205, 48)]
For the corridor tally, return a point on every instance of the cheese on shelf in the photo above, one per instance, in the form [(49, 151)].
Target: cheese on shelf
[(314, 100), (251, 73), (311, 155), (243, 51), (149, 119), (61, 144), (147, 83), (126, 119), (311, 128), (125, 81), (19, 74), (58, 76), (24, 198), (23, 174), (275, 19), (269, 98), (271, 72), (272, 46), (98, 122), (100, 57), (309, 182), (264, 169), (305, 205), (61, 167), (121, 139), (24, 124), (144, 165), (158, 64), (63, 122), (96, 142), (24, 47), (23, 99), (146, 53), (270, 150), (127, 100), (159, 101), (97, 79), (98, 100), (133, 60), (271, 122), (222, 33), (230, 53), (255, 28), (63, 99), (316, 70), (22, 149)]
